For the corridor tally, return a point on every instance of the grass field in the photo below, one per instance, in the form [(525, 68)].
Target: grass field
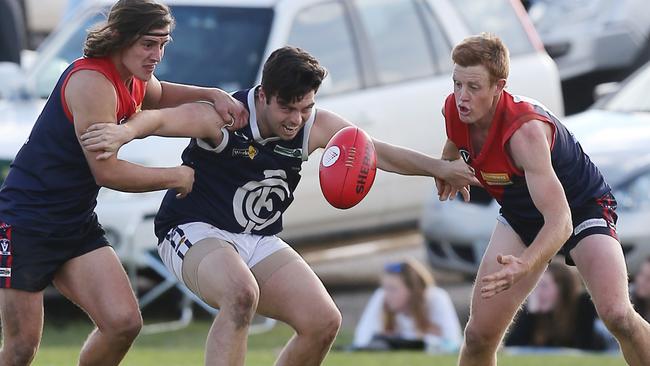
[(61, 344)]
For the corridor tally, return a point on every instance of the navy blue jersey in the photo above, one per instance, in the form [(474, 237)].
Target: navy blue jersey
[(50, 187), (580, 178), (244, 184)]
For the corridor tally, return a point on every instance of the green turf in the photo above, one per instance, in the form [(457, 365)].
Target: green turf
[(60, 346)]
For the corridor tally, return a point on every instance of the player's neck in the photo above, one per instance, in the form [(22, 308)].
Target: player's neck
[(125, 75), (262, 125)]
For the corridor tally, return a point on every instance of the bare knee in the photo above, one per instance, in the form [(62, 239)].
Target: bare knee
[(124, 326), (21, 351), (242, 306), (322, 328), (619, 319), (480, 339)]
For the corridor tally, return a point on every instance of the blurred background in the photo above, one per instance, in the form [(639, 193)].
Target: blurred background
[(389, 72)]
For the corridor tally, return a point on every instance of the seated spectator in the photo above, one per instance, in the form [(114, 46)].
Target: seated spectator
[(640, 290), (408, 311), (558, 313)]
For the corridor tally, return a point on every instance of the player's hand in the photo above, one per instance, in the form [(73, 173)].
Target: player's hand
[(447, 192), (458, 174), (105, 137), (231, 111), (513, 270), (185, 181)]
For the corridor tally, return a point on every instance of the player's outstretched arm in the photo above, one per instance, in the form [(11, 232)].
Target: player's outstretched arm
[(198, 120), (165, 95), (117, 174), (393, 158), (530, 149)]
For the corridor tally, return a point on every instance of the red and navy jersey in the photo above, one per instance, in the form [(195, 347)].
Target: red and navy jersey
[(496, 170), (244, 185), (50, 187)]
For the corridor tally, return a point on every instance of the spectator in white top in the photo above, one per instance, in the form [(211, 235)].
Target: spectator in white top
[(408, 311)]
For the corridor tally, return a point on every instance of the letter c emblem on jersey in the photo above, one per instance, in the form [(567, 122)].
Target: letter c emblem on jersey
[(254, 196)]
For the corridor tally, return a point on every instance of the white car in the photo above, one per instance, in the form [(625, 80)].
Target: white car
[(588, 36), (592, 42), (390, 70), (615, 133)]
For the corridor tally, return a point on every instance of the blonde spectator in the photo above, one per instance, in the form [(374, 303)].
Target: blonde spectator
[(409, 311)]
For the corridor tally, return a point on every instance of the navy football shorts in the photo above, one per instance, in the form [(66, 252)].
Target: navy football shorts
[(597, 216), (29, 259)]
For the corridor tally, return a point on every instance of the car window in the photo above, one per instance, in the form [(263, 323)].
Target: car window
[(633, 96), (323, 31), (211, 46), (498, 17), (397, 39), (439, 40)]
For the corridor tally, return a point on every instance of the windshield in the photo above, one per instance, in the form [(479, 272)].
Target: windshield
[(633, 96), (211, 46)]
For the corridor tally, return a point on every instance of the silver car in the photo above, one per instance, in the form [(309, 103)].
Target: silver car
[(616, 135)]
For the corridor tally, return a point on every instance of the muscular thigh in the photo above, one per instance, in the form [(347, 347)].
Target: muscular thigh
[(214, 271), (292, 292), (96, 281), (496, 313), (599, 259)]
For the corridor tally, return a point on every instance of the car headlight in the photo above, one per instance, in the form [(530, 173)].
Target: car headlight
[(635, 194)]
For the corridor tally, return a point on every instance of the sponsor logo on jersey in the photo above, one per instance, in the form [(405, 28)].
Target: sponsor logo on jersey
[(496, 179), (5, 272), (4, 244), (467, 158), (253, 203), (250, 152), (285, 151)]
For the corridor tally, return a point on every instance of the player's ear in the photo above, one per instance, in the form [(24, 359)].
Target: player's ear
[(501, 84), (262, 95)]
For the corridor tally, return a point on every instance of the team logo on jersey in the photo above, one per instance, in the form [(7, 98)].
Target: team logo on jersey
[(292, 153), (496, 179), (253, 202), (250, 152), (467, 158), (4, 244)]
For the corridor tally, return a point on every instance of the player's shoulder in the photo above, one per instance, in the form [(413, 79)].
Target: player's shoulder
[(89, 84), (531, 130)]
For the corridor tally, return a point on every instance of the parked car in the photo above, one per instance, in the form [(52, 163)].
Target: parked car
[(592, 41), (390, 70), (615, 133)]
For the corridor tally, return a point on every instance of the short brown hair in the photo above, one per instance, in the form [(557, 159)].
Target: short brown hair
[(127, 21), (290, 72), (484, 49)]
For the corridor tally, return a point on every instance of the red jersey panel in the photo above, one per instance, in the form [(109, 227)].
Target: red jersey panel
[(498, 174)]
